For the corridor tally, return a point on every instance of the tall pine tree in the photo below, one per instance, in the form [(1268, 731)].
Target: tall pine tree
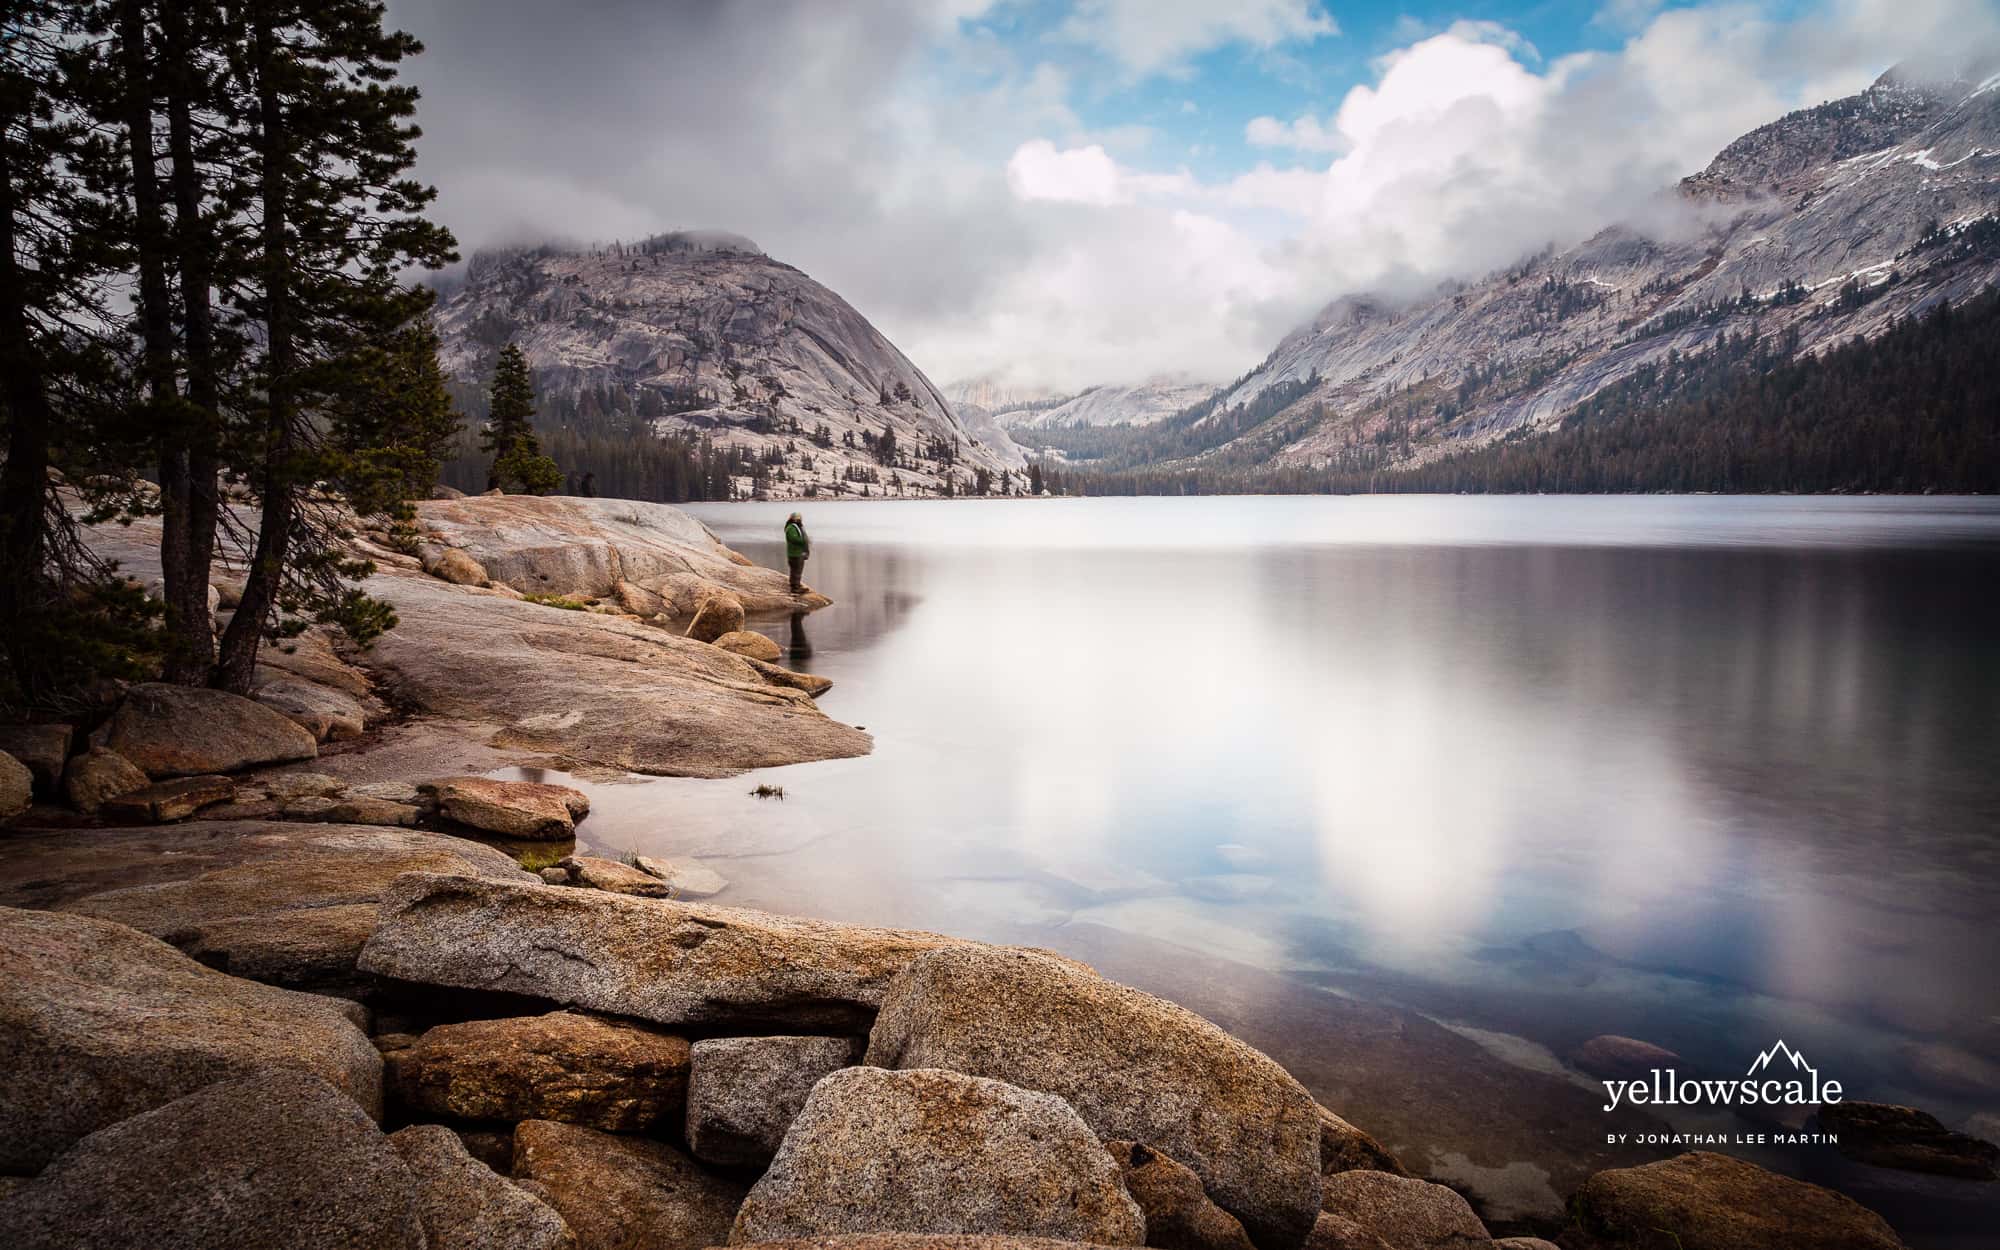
[(337, 221)]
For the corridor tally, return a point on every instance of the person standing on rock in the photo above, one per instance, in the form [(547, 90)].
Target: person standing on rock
[(797, 548)]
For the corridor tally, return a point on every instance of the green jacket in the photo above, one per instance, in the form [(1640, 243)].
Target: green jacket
[(797, 545)]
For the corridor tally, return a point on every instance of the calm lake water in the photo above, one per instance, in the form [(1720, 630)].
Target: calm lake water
[(1708, 772)]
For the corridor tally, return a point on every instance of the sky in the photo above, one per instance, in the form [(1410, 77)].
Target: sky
[(1056, 194)]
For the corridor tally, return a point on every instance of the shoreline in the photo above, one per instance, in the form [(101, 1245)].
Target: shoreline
[(242, 917)]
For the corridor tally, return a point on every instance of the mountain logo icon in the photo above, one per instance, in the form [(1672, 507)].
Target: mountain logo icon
[(1764, 1059)]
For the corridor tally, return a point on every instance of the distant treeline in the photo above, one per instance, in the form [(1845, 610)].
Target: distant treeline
[(1914, 409), (602, 440)]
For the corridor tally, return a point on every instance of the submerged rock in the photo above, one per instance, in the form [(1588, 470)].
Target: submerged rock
[(1707, 1201), (1179, 1214), (1134, 1066), (176, 731), (938, 1152), (744, 1092), (624, 1193), (609, 1074), (530, 810), (653, 959), (690, 878), (100, 1022), (1889, 1136), (277, 1158), (465, 1205), (1621, 1058), (1406, 1213)]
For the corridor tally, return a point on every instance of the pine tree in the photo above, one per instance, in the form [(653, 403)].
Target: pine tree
[(398, 425), (337, 222), (510, 432), (63, 618)]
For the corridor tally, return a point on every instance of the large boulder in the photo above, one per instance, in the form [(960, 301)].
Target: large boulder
[(283, 903), (1134, 1066), (1406, 1213), (1888, 1136), (929, 1151), (100, 1022), (175, 731), (276, 1158), (624, 1193), (513, 809), (743, 1092), (465, 1205), (608, 1074), (42, 748), (99, 775), (1344, 1148), (1179, 1214), (558, 545), (719, 614), (652, 959), (1707, 1201), (605, 690), (17, 787)]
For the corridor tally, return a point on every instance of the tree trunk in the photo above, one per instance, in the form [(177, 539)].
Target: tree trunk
[(280, 504), (190, 632), (192, 662), (24, 483)]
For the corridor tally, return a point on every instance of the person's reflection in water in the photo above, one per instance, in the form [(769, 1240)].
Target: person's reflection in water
[(801, 646)]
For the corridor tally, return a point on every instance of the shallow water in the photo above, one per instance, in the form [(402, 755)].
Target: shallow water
[(1704, 771)]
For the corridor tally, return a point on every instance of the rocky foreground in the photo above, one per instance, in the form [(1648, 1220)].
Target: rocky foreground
[(246, 1033)]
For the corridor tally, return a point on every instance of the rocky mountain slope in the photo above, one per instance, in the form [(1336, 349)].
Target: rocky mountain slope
[(705, 334), (1829, 223), (1141, 403)]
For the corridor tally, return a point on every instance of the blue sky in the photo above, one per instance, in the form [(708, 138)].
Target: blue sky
[(1060, 193), (1194, 110)]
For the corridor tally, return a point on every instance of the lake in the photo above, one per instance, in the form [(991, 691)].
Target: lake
[(1418, 793)]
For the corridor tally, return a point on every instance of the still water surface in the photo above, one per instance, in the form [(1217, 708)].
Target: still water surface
[(1703, 771)]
